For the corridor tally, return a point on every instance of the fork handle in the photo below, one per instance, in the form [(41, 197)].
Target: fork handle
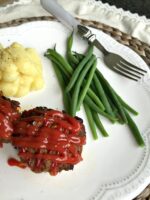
[(100, 47), (87, 34)]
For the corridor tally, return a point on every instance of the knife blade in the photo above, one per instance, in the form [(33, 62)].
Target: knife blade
[(68, 20)]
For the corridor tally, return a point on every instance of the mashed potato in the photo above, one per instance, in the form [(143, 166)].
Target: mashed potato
[(20, 70)]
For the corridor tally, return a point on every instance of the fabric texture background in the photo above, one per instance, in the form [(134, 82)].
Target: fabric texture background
[(129, 23), (142, 7)]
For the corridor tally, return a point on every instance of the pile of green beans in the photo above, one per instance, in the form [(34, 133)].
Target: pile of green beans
[(82, 83)]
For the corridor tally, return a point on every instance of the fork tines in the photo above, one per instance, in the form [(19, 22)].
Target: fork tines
[(129, 70)]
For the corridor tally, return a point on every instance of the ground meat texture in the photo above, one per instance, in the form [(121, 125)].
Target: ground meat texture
[(9, 112), (49, 140)]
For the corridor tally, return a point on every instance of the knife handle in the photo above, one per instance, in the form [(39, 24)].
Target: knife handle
[(60, 13)]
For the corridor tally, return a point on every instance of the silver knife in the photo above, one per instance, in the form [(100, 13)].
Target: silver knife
[(68, 20)]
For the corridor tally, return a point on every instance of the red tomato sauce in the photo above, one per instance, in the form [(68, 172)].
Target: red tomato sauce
[(16, 163), (54, 131), (8, 113)]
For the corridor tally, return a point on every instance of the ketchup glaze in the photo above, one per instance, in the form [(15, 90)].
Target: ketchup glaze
[(48, 136), (9, 112)]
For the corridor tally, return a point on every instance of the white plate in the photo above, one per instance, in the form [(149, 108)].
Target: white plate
[(113, 167)]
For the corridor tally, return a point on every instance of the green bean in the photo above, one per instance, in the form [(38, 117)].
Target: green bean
[(92, 90), (86, 87), (91, 121), (94, 107), (94, 97), (54, 60), (92, 86), (99, 124), (102, 95), (113, 95), (79, 68), (59, 75), (66, 97), (71, 58), (60, 59), (78, 85), (115, 111), (125, 105), (78, 56), (70, 42), (135, 131)]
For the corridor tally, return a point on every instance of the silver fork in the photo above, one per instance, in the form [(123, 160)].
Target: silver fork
[(112, 60)]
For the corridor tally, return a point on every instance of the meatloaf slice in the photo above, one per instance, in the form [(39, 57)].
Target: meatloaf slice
[(49, 140), (9, 112)]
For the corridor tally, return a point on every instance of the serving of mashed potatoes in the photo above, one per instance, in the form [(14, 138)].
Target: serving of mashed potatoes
[(20, 70)]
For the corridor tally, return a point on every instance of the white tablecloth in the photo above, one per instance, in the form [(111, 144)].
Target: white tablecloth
[(88, 9)]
